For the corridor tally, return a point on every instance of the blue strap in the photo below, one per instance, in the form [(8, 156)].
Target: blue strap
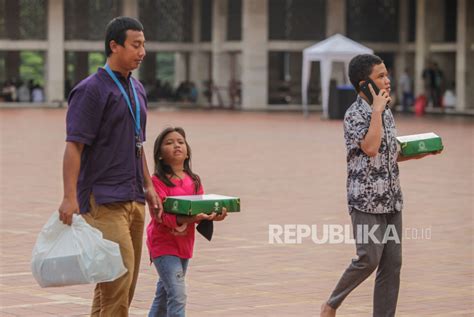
[(136, 116)]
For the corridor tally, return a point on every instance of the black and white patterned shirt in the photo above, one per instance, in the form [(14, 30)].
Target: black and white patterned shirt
[(373, 184)]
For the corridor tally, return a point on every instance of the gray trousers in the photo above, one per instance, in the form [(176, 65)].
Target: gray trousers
[(385, 257)]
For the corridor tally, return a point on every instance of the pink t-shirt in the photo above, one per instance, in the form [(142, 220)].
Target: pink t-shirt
[(167, 238)]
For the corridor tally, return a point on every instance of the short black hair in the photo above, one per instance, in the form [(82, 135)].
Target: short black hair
[(116, 30), (360, 68)]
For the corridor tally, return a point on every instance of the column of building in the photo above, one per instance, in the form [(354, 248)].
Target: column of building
[(220, 59), (254, 54), (421, 45), (401, 54), (130, 9), (469, 49), (461, 54), (55, 53), (336, 24), (198, 61), (181, 62), (336, 17)]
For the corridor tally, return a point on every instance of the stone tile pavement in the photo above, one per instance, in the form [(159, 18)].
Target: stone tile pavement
[(287, 170)]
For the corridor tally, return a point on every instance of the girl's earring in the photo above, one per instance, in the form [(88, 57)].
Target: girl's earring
[(160, 158)]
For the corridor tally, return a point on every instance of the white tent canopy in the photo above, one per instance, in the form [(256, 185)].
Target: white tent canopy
[(336, 48)]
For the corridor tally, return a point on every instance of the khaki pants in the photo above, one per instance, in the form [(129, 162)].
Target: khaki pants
[(122, 223)]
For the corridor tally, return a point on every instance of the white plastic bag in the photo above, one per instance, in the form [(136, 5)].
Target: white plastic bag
[(77, 254)]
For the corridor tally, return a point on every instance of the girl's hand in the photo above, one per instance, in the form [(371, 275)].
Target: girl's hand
[(203, 216), (221, 216)]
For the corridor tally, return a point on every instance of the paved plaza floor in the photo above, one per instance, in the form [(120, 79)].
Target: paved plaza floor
[(287, 170)]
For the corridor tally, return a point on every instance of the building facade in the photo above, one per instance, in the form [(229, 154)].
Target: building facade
[(237, 52)]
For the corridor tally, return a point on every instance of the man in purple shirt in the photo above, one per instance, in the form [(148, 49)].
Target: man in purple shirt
[(105, 171)]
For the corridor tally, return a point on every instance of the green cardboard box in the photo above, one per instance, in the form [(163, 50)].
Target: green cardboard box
[(419, 143), (195, 204)]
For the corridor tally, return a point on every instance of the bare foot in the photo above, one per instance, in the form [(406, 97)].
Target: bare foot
[(327, 311)]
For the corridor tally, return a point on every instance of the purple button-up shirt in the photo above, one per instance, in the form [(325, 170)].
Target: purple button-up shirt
[(99, 118)]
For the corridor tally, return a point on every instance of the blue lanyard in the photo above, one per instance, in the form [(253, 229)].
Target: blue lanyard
[(136, 117)]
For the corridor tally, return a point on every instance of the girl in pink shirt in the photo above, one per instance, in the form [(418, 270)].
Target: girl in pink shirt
[(170, 238)]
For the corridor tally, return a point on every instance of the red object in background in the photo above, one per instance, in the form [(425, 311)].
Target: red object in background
[(420, 104)]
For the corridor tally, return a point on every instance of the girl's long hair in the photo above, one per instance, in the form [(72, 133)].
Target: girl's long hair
[(162, 170)]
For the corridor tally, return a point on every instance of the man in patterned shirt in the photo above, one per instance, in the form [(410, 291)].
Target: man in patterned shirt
[(373, 190)]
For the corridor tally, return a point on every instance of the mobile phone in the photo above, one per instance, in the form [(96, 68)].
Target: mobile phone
[(364, 87)]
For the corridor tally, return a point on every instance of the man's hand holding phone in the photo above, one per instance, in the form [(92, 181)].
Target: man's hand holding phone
[(380, 100)]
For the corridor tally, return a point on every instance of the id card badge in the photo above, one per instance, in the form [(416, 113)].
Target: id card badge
[(138, 147)]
